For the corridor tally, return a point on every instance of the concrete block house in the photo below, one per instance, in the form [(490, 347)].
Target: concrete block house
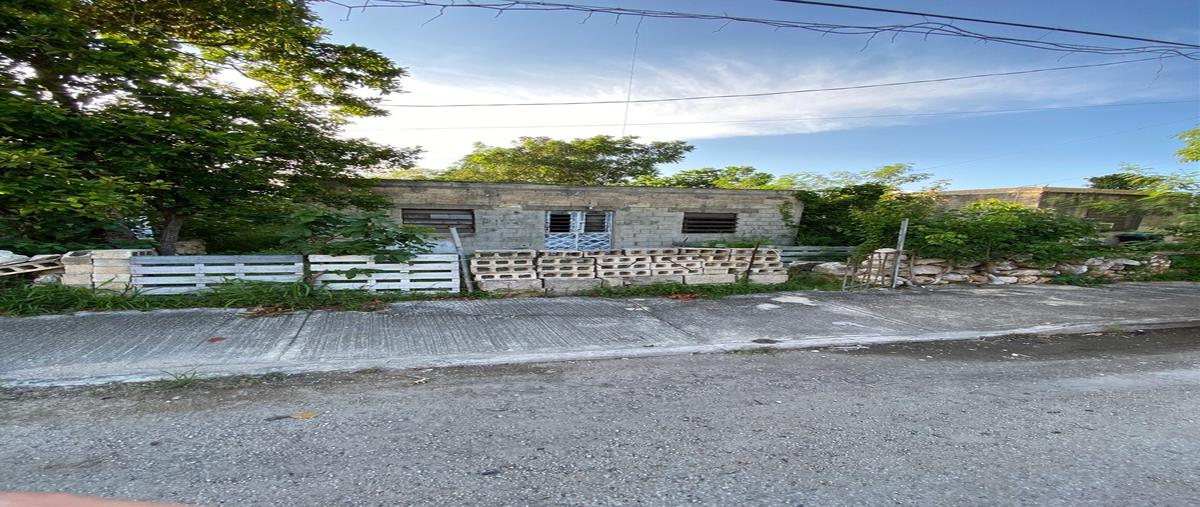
[(555, 217)]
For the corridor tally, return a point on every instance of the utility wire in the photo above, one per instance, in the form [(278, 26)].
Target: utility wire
[(990, 21), (923, 29), (637, 35), (773, 93), (789, 119)]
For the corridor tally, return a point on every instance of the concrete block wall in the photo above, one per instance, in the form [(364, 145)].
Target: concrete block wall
[(512, 216), (569, 272), (100, 269)]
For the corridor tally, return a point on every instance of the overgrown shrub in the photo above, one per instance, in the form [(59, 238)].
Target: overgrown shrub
[(879, 225), (996, 229), (827, 218)]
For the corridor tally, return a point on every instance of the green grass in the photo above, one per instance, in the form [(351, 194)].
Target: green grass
[(808, 282), (175, 381), (268, 298), (1083, 280)]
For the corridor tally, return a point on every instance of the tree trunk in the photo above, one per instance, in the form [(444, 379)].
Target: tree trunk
[(170, 233)]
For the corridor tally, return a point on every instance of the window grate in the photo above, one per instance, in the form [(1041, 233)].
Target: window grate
[(440, 220), (710, 223)]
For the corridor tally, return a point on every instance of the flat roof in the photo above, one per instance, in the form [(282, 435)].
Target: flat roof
[(390, 182), (1068, 190)]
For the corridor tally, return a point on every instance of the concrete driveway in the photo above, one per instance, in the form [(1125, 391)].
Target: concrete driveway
[(88, 348)]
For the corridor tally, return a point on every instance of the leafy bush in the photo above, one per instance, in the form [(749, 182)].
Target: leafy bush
[(827, 218), (995, 229), (879, 225), (326, 231)]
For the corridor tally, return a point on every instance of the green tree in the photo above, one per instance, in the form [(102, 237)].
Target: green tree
[(743, 177), (892, 175), (130, 101), (599, 160), (1129, 177)]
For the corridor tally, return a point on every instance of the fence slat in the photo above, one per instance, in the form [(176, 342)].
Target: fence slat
[(215, 259), (210, 269), (433, 272)]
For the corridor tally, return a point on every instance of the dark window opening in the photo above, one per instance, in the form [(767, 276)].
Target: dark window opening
[(440, 220), (559, 222), (710, 223), (595, 221)]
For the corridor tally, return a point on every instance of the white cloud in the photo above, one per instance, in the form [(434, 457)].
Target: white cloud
[(710, 76)]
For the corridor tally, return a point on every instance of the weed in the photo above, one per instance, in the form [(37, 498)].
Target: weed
[(1083, 280), (807, 282), (176, 381)]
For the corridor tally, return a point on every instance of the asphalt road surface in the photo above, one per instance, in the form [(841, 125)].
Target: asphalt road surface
[(1110, 419)]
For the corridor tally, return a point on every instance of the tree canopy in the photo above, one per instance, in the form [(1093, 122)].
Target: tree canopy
[(598, 160), (1129, 177), (116, 109), (744, 177)]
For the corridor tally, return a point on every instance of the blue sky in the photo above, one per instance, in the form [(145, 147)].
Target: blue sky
[(471, 56)]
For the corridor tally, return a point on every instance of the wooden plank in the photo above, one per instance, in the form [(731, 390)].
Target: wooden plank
[(181, 280), (446, 265), (216, 259), (168, 290), (371, 258), (210, 269)]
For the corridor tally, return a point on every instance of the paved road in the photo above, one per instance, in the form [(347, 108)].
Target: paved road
[(101, 347), (1026, 421)]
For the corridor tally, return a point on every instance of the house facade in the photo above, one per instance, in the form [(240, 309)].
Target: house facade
[(555, 217)]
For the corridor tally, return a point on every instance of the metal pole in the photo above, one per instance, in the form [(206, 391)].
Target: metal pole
[(464, 266), (899, 252)]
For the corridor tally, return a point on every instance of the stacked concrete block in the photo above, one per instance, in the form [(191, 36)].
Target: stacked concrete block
[(602, 253), (77, 269), (506, 270), (565, 264), (651, 251), (618, 266), (676, 264), (110, 268)]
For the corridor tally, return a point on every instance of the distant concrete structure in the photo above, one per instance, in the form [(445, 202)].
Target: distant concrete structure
[(1071, 201), (558, 217)]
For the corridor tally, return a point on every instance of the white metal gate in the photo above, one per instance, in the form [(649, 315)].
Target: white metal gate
[(578, 230)]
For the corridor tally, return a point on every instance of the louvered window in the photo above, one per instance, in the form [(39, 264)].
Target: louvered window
[(440, 220), (710, 223)]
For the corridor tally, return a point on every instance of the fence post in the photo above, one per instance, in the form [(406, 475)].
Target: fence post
[(899, 253)]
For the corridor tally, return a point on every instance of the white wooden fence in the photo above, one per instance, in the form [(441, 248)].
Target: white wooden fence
[(179, 274), (182, 274), (427, 273)]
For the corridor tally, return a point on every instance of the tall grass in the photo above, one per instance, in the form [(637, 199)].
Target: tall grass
[(24, 300)]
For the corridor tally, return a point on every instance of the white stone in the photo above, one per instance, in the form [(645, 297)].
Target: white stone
[(956, 277), (1032, 272), (1073, 269), (1027, 279), (1002, 266), (1001, 280), (929, 260), (7, 257), (1094, 261), (926, 269), (967, 265), (923, 280), (1126, 262), (830, 268)]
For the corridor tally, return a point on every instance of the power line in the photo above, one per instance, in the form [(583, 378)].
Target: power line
[(990, 21), (637, 36), (789, 119), (773, 93), (924, 29)]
